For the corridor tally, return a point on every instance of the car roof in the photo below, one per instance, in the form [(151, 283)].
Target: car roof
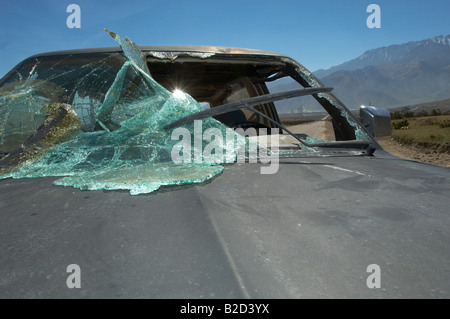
[(168, 48)]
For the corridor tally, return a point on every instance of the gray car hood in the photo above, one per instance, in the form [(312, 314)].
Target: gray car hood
[(309, 231)]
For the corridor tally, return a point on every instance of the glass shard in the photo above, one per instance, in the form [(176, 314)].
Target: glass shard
[(111, 135)]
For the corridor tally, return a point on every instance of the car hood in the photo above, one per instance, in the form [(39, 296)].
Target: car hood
[(308, 231)]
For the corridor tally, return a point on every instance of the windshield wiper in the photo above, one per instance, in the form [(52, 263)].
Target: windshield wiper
[(251, 102), (247, 104)]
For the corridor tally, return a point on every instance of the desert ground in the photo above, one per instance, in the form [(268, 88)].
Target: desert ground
[(415, 153), (437, 156)]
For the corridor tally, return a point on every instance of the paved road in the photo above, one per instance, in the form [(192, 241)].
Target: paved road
[(318, 129)]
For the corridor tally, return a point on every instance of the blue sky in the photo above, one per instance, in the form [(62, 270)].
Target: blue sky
[(319, 34)]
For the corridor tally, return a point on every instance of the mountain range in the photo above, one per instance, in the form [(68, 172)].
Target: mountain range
[(392, 76)]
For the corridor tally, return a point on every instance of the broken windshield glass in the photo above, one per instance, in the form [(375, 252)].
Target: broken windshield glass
[(111, 133)]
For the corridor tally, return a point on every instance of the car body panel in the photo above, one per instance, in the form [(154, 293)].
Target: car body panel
[(309, 233)]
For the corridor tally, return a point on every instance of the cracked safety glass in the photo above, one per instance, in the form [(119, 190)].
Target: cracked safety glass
[(97, 120)]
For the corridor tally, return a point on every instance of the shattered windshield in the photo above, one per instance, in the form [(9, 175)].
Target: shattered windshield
[(97, 120), (100, 121), (81, 81)]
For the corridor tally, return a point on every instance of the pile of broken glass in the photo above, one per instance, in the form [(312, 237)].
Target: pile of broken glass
[(110, 137)]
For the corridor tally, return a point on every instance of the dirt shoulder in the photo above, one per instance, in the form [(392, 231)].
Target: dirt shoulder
[(415, 152)]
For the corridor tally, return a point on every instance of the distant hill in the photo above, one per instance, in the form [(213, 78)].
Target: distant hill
[(443, 106), (411, 51), (393, 76)]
